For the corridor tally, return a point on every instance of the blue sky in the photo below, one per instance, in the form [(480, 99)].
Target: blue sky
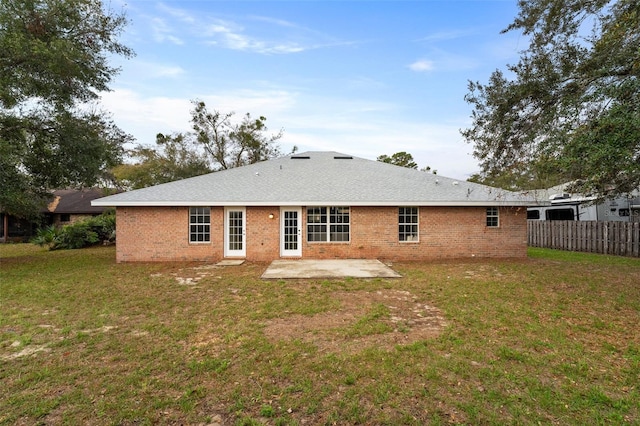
[(360, 77)]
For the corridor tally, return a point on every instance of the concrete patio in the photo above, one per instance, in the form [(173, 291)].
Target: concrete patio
[(331, 268)]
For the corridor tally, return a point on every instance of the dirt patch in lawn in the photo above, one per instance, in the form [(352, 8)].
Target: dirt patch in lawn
[(380, 319)]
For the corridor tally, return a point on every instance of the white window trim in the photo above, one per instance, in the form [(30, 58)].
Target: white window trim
[(417, 240), (497, 216), (328, 225), (189, 229)]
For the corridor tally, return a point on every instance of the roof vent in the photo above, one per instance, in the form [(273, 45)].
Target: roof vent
[(343, 157), (300, 157)]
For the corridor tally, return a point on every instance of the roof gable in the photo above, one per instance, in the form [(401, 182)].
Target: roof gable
[(317, 178), (75, 201)]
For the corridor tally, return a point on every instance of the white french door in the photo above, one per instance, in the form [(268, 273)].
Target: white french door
[(290, 231), (235, 232)]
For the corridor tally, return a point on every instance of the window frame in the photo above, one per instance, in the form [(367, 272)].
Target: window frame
[(205, 231), (492, 217), (403, 224), (324, 221)]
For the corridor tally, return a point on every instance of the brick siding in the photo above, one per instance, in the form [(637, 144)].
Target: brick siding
[(162, 234)]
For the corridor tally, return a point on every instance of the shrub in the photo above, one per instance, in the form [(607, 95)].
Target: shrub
[(80, 234), (46, 236), (76, 236)]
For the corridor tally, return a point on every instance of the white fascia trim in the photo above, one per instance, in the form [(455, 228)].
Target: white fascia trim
[(315, 203)]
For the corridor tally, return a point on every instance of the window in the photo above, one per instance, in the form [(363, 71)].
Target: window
[(65, 217), (199, 225), (408, 224), (533, 214), (328, 224), (492, 217), (560, 214)]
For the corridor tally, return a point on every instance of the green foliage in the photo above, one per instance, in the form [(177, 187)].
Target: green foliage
[(56, 50), (47, 236), (53, 60), (80, 234), (215, 144), (77, 236), (569, 109), (174, 157), (402, 159), (538, 174), (233, 144)]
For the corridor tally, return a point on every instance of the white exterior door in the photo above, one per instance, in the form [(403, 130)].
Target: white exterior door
[(290, 231), (235, 232)]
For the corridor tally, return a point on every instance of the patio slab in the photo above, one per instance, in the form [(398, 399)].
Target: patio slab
[(330, 268)]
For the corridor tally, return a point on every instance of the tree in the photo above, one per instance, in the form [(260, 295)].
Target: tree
[(174, 157), (402, 159), (53, 62), (570, 108), (233, 145)]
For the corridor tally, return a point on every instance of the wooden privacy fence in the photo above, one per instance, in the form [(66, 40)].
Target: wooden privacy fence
[(617, 238)]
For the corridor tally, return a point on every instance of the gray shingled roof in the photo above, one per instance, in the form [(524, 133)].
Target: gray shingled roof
[(317, 178)]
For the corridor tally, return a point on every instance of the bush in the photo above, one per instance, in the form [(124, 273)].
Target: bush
[(76, 236), (80, 234), (46, 236)]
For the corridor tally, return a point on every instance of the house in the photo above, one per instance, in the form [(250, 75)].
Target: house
[(66, 206), (561, 204), (15, 229), (71, 205), (318, 205)]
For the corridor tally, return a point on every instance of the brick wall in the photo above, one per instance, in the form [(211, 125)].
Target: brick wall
[(263, 233), (161, 234), (445, 232), (151, 234)]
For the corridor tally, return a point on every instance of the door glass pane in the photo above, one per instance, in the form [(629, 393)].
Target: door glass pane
[(235, 230), (290, 230)]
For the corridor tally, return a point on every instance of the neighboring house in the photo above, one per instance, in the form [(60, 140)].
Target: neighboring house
[(14, 229), (71, 205), (67, 206), (318, 205), (560, 204)]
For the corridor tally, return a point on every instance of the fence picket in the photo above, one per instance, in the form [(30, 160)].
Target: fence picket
[(617, 238)]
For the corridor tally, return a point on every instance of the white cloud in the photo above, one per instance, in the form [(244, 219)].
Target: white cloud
[(179, 14), (227, 38), (141, 71), (359, 127), (257, 102), (145, 117), (162, 32), (422, 66), (448, 35), (167, 71), (438, 146), (284, 37)]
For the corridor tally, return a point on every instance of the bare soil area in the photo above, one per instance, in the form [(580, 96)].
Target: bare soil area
[(409, 321)]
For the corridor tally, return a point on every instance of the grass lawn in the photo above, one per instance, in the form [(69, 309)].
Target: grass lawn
[(553, 339)]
